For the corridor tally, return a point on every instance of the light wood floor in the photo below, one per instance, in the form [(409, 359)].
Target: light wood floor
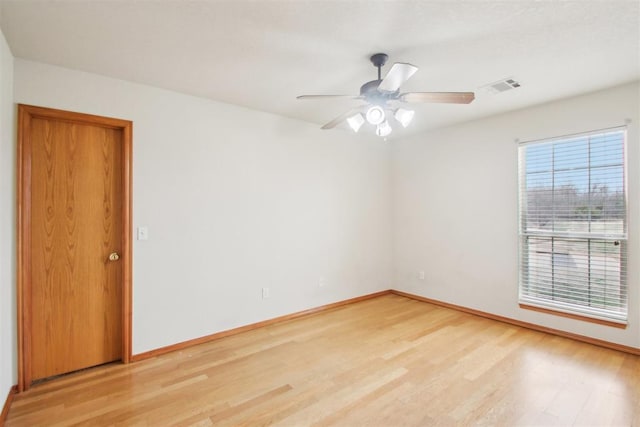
[(389, 361)]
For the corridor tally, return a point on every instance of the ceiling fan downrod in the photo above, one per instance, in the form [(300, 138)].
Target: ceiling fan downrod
[(378, 60)]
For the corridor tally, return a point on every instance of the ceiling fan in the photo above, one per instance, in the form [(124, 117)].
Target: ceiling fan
[(383, 99)]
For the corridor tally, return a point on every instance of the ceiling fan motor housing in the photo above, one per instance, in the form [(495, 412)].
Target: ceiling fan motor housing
[(370, 91)]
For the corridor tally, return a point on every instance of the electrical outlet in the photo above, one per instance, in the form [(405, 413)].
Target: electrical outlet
[(421, 275), (321, 282), (265, 293)]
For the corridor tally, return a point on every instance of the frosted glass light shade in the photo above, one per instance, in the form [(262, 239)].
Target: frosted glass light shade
[(383, 129), (375, 115), (404, 117), (356, 122)]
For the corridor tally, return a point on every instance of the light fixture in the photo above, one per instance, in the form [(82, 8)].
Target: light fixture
[(356, 122), (375, 115), (404, 117), (383, 129)]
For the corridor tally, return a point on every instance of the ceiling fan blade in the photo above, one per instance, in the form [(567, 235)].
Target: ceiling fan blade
[(398, 74), (442, 97), (328, 96), (335, 122)]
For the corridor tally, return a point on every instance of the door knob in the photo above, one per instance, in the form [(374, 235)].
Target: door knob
[(114, 256)]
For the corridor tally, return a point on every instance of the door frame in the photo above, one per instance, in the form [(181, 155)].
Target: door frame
[(25, 114)]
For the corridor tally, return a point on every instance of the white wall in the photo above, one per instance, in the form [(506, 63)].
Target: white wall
[(455, 198), (235, 200), (8, 329)]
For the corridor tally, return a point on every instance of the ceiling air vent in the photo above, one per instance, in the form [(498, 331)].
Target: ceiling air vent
[(502, 85)]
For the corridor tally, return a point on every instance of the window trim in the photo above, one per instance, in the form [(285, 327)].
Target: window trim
[(584, 318), (568, 310)]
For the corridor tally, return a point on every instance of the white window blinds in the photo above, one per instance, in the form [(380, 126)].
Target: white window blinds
[(573, 224)]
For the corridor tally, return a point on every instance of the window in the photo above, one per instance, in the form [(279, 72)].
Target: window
[(573, 224)]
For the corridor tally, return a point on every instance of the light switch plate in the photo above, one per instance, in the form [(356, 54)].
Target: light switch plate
[(143, 233)]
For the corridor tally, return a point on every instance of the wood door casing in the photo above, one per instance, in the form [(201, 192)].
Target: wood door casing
[(74, 210)]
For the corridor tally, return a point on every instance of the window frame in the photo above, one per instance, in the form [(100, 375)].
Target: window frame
[(576, 311)]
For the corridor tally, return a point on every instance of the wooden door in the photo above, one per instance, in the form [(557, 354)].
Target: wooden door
[(74, 241)]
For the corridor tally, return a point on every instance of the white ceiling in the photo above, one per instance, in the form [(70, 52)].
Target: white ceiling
[(262, 54)]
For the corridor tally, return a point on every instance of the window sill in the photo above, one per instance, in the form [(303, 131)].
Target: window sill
[(574, 316)]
